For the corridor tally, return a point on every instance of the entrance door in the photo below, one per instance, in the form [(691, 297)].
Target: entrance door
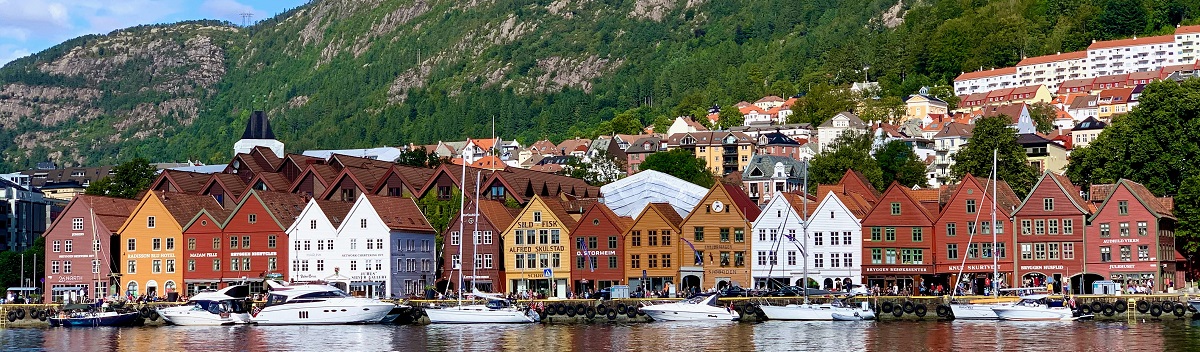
[(691, 283)]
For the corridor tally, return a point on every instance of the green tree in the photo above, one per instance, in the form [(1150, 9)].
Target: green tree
[(1043, 115), (886, 109), (129, 179), (822, 102), (898, 162), (975, 158), (946, 94), (682, 164), (1187, 210), (623, 123), (850, 151), (662, 123), (598, 170), (730, 117), (419, 157)]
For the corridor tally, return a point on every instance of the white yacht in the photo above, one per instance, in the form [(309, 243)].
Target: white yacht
[(1035, 307), (975, 311), (225, 307), (834, 311), (496, 311), (318, 304), (692, 309)]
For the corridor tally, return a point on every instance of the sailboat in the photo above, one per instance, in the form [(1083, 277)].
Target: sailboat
[(982, 309), (497, 310), (836, 310)]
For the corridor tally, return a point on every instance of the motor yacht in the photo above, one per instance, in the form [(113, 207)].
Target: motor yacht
[(692, 309), (832, 311), (1035, 307), (225, 307), (317, 304)]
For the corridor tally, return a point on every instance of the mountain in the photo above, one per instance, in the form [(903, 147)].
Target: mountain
[(363, 73)]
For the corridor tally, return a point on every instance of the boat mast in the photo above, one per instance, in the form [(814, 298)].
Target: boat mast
[(95, 253), (461, 206), (804, 231), (475, 233), (995, 261)]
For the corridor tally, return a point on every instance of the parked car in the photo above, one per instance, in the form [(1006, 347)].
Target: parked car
[(603, 294), (786, 291)]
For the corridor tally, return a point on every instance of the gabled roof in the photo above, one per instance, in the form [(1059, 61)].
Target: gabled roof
[(335, 211), (855, 121), (664, 211), (496, 213), (273, 180), (911, 196), (412, 176), (1090, 123), (1154, 205), (1083, 102), (282, 207), (797, 203), (232, 184), (776, 138), (110, 212), (743, 201), (1006, 199), (1135, 41), (183, 181), (183, 207), (629, 196), (400, 213), (621, 223), (951, 130), (1064, 185), (854, 181)]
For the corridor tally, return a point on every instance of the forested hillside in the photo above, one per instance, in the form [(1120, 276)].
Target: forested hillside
[(356, 73)]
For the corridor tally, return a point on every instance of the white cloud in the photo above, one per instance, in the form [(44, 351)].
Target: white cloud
[(21, 19)]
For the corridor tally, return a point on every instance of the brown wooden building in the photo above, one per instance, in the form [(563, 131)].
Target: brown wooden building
[(597, 250), (482, 258), (653, 264), (719, 229), (1131, 237), (964, 233), (898, 242), (1051, 224)]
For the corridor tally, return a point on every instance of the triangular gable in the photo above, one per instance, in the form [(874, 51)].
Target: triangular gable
[(442, 169), (1130, 186), (205, 214), (1071, 195), (334, 185), (707, 200), (602, 211), (309, 208), (854, 181), (958, 189), (556, 212), (150, 196), (659, 212), (832, 200), (897, 187), (271, 209), (508, 189), (775, 203)]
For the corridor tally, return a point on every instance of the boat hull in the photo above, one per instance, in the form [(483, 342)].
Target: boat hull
[(1195, 303), (668, 314), (119, 319), (191, 317), (324, 313), (478, 315), (814, 312), (974, 311), (1019, 313)]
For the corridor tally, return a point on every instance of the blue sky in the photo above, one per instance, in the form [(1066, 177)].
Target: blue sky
[(30, 26)]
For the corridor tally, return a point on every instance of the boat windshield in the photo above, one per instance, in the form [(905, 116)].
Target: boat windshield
[(323, 294), (275, 299), (497, 304)]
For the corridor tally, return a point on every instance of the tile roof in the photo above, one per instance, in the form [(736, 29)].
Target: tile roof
[(183, 207), (859, 183), (1072, 192), (855, 121), (334, 210), (496, 213), (743, 201), (1090, 123), (1135, 41), (188, 182), (951, 129), (667, 212), (1187, 29), (1156, 206), (986, 73), (796, 201), (1044, 59), (284, 207), (275, 181), (556, 206), (110, 211), (232, 184), (400, 213)]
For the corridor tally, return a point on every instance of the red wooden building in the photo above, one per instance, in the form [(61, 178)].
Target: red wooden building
[(597, 255), (1131, 237), (79, 249), (1051, 223), (205, 251), (482, 261), (899, 242), (964, 233), (255, 240)]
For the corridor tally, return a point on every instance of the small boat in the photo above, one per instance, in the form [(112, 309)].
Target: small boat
[(1036, 307), (855, 317), (1195, 303), (308, 304), (693, 309), (80, 315), (225, 307), (824, 312), (497, 310)]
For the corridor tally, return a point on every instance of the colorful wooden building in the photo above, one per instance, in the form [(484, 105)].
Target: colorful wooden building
[(79, 247), (482, 257), (537, 249), (718, 229), (1051, 223), (255, 239), (1131, 237), (655, 264), (964, 232), (151, 242), (597, 250), (898, 240)]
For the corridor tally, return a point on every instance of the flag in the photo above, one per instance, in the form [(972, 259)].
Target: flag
[(587, 257), (699, 259)]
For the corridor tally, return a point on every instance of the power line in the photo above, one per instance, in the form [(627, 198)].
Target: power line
[(246, 16)]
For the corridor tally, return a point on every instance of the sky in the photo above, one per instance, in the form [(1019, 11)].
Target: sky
[(30, 26)]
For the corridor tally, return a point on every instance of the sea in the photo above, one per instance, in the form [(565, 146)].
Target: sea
[(972, 336)]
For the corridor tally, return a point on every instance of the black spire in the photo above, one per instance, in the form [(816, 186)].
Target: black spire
[(258, 127)]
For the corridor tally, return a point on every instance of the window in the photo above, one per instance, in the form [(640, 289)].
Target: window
[(456, 239), (1104, 230), (252, 218), (739, 235), (233, 264), (320, 245), (846, 238), (895, 208), (487, 237), (818, 239), (917, 234), (889, 234), (520, 259), (156, 266), (612, 262), (216, 265), (362, 223), (891, 256), (952, 251), (272, 241), (1067, 228), (818, 260), (951, 229), (1126, 253), (543, 236), (833, 239), (272, 263), (847, 260), (1026, 251), (999, 227), (973, 251), (1106, 254), (487, 262), (762, 258), (636, 238), (699, 233), (652, 261), (970, 206), (724, 234), (971, 228), (95, 266), (171, 265), (170, 244), (320, 265), (612, 242), (191, 246), (131, 267), (217, 244), (791, 258), (537, 216), (156, 244), (1052, 225), (835, 260), (353, 243), (1001, 252), (1123, 207), (1039, 251), (307, 244), (1048, 204), (56, 246), (1039, 227), (1052, 250), (95, 245), (724, 259), (1026, 227), (1142, 230), (1143, 252), (149, 222), (876, 256), (635, 261), (652, 236), (875, 234), (544, 260), (1068, 250), (132, 245), (233, 243), (913, 256), (555, 260), (1124, 230), (246, 242), (312, 224), (77, 224), (54, 267)]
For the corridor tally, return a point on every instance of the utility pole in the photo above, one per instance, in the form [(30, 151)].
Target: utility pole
[(246, 16)]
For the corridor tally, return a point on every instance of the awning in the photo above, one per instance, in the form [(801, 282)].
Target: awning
[(201, 281), (22, 288), (69, 288)]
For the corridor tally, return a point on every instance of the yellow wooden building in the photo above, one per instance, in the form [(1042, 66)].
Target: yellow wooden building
[(537, 248), (151, 242)]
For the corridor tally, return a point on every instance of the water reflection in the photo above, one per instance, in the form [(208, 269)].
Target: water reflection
[(974, 336)]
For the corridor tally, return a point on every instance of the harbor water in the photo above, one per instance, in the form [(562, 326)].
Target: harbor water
[(1167, 335)]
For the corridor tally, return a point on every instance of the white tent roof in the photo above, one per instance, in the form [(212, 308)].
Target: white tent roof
[(628, 196), (381, 153)]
